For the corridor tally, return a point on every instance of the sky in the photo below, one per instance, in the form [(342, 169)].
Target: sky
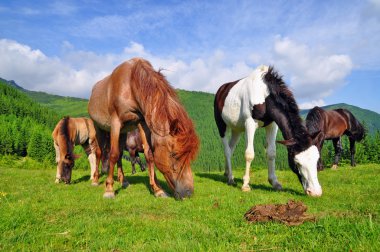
[(327, 51)]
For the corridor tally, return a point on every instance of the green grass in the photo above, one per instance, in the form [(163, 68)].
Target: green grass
[(38, 215)]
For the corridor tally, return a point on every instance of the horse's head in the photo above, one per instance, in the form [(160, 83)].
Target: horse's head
[(304, 164), (66, 165), (172, 156), (177, 173)]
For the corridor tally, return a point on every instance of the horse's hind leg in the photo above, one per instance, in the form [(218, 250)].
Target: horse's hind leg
[(338, 152), (229, 147), (352, 150), (157, 190), (132, 155), (138, 160), (271, 133)]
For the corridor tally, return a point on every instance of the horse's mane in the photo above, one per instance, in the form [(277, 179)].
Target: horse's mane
[(285, 101), (314, 119), (64, 132), (162, 110)]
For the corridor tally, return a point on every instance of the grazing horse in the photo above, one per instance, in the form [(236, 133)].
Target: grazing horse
[(70, 132), (134, 146), (263, 100), (333, 124), (137, 96)]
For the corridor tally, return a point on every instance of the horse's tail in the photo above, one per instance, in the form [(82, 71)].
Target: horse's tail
[(355, 128), (314, 119)]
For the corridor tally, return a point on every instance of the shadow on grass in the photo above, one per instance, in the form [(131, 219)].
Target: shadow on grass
[(221, 178), (82, 179), (132, 180), (217, 177)]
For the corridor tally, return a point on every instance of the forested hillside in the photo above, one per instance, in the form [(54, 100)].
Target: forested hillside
[(25, 126), (20, 111)]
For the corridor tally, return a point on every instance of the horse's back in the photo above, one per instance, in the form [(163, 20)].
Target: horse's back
[(112, 96)]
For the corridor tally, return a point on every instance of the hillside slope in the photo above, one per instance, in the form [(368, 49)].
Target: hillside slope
[(199, 105)]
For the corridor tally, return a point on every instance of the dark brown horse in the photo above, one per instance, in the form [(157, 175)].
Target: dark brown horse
[(134, 146), (333, 124), (70, 132), (137, 96)]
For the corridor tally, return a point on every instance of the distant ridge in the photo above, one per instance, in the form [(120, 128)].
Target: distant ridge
[(13, 84), (78, 107)]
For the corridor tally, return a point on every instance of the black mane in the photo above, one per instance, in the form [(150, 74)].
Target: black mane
[(314, 119), (285, 102)]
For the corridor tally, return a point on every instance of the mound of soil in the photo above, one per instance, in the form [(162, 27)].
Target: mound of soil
[(291, 213)]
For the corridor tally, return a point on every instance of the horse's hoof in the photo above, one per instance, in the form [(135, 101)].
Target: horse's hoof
[(334, 167), (125, 184), (231, 182), (95, 183), (109, 195), (57, 181), (277, 187), (246, 188), (161, 194)]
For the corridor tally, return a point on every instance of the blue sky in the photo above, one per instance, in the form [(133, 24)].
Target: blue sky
[(327, 51)]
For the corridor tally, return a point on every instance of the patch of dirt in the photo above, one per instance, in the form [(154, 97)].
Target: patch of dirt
[(291, 213)]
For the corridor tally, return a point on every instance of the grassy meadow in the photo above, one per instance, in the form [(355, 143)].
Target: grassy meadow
[(38, 215)]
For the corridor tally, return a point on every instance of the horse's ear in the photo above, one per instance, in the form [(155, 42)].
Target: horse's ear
[(289, 142), (317, 137), (174, 127)]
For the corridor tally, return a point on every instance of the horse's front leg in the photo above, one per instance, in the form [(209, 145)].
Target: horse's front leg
[(271, 133), (157, 190), (338, 152), (58, 175), (320, 166), (352, 150), (120, 174), (250, 128)]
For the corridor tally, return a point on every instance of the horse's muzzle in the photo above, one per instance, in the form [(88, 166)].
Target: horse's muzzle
[(182, 194)]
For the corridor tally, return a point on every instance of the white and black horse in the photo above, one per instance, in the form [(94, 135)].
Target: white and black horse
[(263, 100)]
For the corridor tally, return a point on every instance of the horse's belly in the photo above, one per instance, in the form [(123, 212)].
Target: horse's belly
[(233, 115)]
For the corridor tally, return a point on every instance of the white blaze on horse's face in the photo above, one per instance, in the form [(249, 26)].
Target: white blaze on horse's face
[(306, 162)]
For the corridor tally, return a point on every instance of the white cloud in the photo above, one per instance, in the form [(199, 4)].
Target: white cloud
[(313, 73), (35, 71), (312, 104)]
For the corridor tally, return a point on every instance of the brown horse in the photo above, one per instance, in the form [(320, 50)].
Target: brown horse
[(333, 124), (134, 146), (137, 96), (68, 133)]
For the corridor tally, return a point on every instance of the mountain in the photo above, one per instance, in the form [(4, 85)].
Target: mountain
[(12, 83)]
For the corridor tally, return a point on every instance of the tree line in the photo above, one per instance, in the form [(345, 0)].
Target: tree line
[(26, 126)]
